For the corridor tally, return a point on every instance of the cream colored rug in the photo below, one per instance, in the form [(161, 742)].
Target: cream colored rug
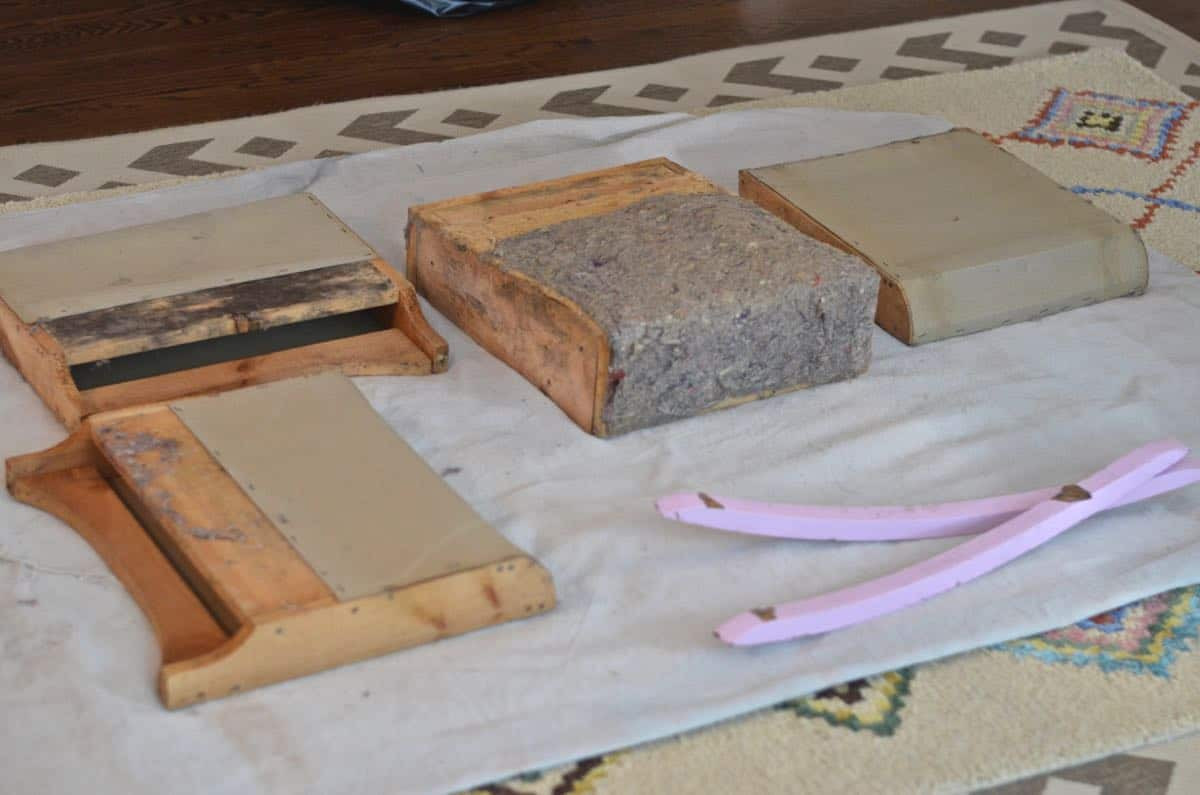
[(715, 79), (1063, 701), (1104, 126)]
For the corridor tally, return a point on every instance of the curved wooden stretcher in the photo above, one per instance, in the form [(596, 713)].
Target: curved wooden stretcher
[(261, 556), (1005, 527)]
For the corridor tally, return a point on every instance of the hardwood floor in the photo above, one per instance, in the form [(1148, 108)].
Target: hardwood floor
[(78, 68)]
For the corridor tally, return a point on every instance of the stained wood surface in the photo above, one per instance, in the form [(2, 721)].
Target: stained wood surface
[(76, 451), (293, 644), (231, 552), (542, 336), (540, 333), (407, 316), (231, 592), (78, 68), (200, 251), (41, 361), (387, 352), (221, 311), (82, 498), (480, 219), (279, 265)]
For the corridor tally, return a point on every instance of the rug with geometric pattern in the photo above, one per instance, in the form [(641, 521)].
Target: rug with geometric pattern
[(976, 41), (1055, 706), (1069, 711)]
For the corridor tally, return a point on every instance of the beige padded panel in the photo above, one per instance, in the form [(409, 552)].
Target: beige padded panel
[(974, 236), (359, 505), (196, 252)]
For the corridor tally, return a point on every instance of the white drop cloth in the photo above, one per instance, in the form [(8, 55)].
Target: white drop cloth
[(628, 654)]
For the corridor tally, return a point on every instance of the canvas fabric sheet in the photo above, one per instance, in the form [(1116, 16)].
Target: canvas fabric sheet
[(628, 654)]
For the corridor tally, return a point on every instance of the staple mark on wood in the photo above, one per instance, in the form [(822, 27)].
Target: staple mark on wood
[(221, 311), (1073, 493), (764, 613)]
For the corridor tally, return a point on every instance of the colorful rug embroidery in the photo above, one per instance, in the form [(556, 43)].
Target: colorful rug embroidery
[(1143, 637), (579, 778), (1143, 128), (1174, 204), (873, 704)]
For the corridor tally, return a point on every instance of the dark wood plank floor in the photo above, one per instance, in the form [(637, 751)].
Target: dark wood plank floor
[(78, 68)]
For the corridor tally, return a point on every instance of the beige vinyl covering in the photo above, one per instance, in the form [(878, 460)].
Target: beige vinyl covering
[(195, 252), (975, 237), (359, 505)]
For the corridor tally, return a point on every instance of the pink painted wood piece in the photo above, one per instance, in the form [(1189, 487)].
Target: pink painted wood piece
[(1039, 523), (884, 523)]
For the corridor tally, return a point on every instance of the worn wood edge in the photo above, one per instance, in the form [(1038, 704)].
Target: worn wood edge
[(604, 384), (557, 182), (536, 205), (429, 228), (83, 499), (384, 352), (222, 606), (68, 481), (515, 285), (42, 363), (893, 312), (135, 447), (217, 312), (293, 644), (75, 451), (408, 317)]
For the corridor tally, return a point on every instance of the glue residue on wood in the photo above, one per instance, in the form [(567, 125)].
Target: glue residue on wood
[(706, 299)]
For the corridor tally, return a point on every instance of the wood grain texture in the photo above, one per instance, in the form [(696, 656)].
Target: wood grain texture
[(407, 316), (73, 452), (42, 362), (82, 498), (79, 68), (293, 644), (387, 352), (232, 554), (283, 308), (892, 312), (479, 220), (541, 334), (221, 311), (229, 598)]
